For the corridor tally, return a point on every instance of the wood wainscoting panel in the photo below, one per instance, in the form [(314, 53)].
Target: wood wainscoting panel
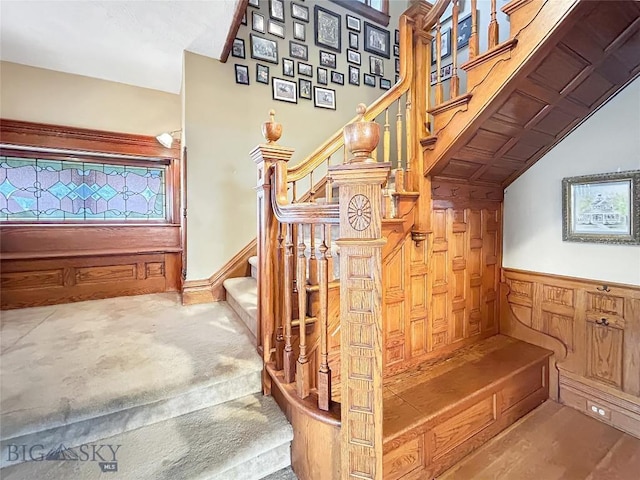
[(598, 324)]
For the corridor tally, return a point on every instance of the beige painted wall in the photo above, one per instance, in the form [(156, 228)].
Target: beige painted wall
[(223, 122), (46, 96), (608, 142)]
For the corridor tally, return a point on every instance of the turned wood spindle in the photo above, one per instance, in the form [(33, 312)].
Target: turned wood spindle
[(399, 171), (439, 89), (324, 373), (279, 312), (407, 180), (294, 193), (454, 86), (289, 357), (493, 26), (302, 367), (474, 48), (386, 142)]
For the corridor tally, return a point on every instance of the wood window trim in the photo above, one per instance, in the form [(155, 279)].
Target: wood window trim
[(366, 11)]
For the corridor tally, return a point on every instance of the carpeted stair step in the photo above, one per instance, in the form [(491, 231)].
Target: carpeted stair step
[(244, 439), (284, 474), (92, 370), (253, 261), (242, 296)]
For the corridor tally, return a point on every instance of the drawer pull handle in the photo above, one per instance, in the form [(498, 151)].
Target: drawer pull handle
[(603, 288), (603, 321)]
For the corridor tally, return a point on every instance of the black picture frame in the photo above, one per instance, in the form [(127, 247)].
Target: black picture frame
[(276, 10), (276, 29), (328, 59), (242, 74), (354, 40), (298, 50), (299, 31), (304, 88), (237, 48), (284, 90), (263, 49), (396, 50), (327, 29), (397, 65), (257, 22), (396, 37), (353, 23), (300, 12), (288, 68), (385, 84), (369, 80), (254, 3), (464, 31), (377, 40), (445, 46), (354, 57), (262, 73), (337, 78), (244, 18), (322, 76), (305, 69), (354, 75), (324, 98), (376, 66)]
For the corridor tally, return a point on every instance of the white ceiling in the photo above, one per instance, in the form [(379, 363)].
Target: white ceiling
[(133, 42)]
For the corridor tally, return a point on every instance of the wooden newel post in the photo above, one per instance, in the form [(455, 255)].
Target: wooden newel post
[(265, 157), (361, 244)]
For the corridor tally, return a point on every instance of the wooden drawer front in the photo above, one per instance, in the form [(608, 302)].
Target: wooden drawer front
[(404, 459), (523, 385), (604, 353), (605, 306), (451, 433)]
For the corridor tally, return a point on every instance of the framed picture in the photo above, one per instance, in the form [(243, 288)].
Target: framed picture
[(276, 10), (254, 3), (377, 40), (264, 49), (354, 75), (353, 57), (257, 22), (322, 76), (396, 50), (376, 66), (287, 68), (237, 48), (445, 46), (397, 78), (305, 69), (602, 208), (369, 80), (353, 40), (284, 90), (262, 73), (299, 31), (337, 77), (396, 37), (353, 23), (276, 29), (397, 65), (445, 74), (464, 31), (324, 98), (298, 50), (304, 88), (299, 12), (242, 74), (244, 18), (328, 59), (327, 29), (385, 84)]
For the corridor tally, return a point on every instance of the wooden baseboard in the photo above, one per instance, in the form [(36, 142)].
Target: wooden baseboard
[(211, 289)]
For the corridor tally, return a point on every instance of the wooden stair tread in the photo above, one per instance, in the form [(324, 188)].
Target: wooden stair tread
[(414, 397)]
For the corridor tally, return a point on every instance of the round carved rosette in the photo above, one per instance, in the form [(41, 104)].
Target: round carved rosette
[(359, 212)]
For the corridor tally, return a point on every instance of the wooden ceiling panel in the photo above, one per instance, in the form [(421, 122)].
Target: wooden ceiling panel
[(589, 92), (556, 121), (497, 126), (460, 169), (628, 52), (488, 141), (519, 109), (559, 69), (497, 174), (609, 20), (522, 152)]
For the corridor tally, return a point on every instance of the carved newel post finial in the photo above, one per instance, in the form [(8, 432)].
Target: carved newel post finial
[(361, 137), (272, 130)]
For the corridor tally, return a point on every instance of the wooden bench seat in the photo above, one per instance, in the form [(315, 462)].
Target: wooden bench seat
[(442, 410)]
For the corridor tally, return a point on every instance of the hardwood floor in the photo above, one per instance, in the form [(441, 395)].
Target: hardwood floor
[(553, 442)]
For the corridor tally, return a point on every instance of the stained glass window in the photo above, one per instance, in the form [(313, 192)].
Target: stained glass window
[(40, 190)]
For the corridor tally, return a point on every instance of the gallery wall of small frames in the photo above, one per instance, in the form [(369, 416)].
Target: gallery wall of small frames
[(271, 26)]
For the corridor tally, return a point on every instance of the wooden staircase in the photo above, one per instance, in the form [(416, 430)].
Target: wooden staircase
[(415, 310)]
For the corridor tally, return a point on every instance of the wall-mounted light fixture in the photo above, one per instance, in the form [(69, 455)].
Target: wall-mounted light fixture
[(166, 139)]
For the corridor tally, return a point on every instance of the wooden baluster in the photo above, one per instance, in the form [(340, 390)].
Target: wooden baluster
[(374, 154), (408, 180), (399, 171), (493, 26), (324, 373), (439, 88), (329, 196), (281, 295), (289, 357), (474, 48), (313, 266), (454, 86), (295, 193), (302, 367), (386, 144)]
